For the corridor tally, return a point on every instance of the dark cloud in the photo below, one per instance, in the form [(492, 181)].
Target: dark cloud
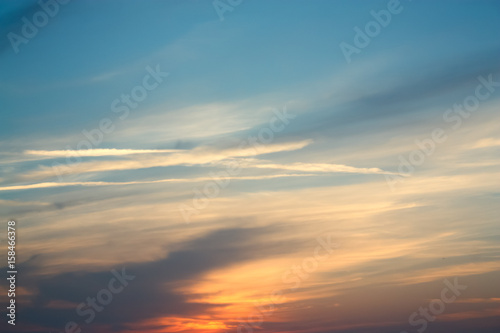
[(383, 308), (151, 294)]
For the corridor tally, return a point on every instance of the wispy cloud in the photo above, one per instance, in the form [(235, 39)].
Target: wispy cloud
[(486, 143), (321, 167), (168, 180), (97, 152), (197, 156)]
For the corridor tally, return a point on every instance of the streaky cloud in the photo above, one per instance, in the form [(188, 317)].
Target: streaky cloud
[(322, 167), (168, 180), (98, 152), (197, 156)]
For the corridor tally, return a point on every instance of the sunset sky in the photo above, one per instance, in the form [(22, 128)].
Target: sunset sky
[(228, 167)]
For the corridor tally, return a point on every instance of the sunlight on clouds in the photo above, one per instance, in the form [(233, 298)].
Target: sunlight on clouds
[(323, 175), (200, 155), (321, 167), (168, 180)]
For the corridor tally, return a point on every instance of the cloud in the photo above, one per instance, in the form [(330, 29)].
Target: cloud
[(321, 167), (212, 120), (153, 293), (486, 143), (197, 156), (168, 180), (97, 152)]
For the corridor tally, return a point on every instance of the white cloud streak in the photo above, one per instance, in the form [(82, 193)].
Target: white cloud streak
[(321, 167), (196, 156), (97, 152), (168, 180)]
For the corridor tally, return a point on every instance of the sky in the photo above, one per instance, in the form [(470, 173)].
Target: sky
[(251, 166)]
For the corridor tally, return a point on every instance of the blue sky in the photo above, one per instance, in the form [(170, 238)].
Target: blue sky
[(317, 143), (289, 46)]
